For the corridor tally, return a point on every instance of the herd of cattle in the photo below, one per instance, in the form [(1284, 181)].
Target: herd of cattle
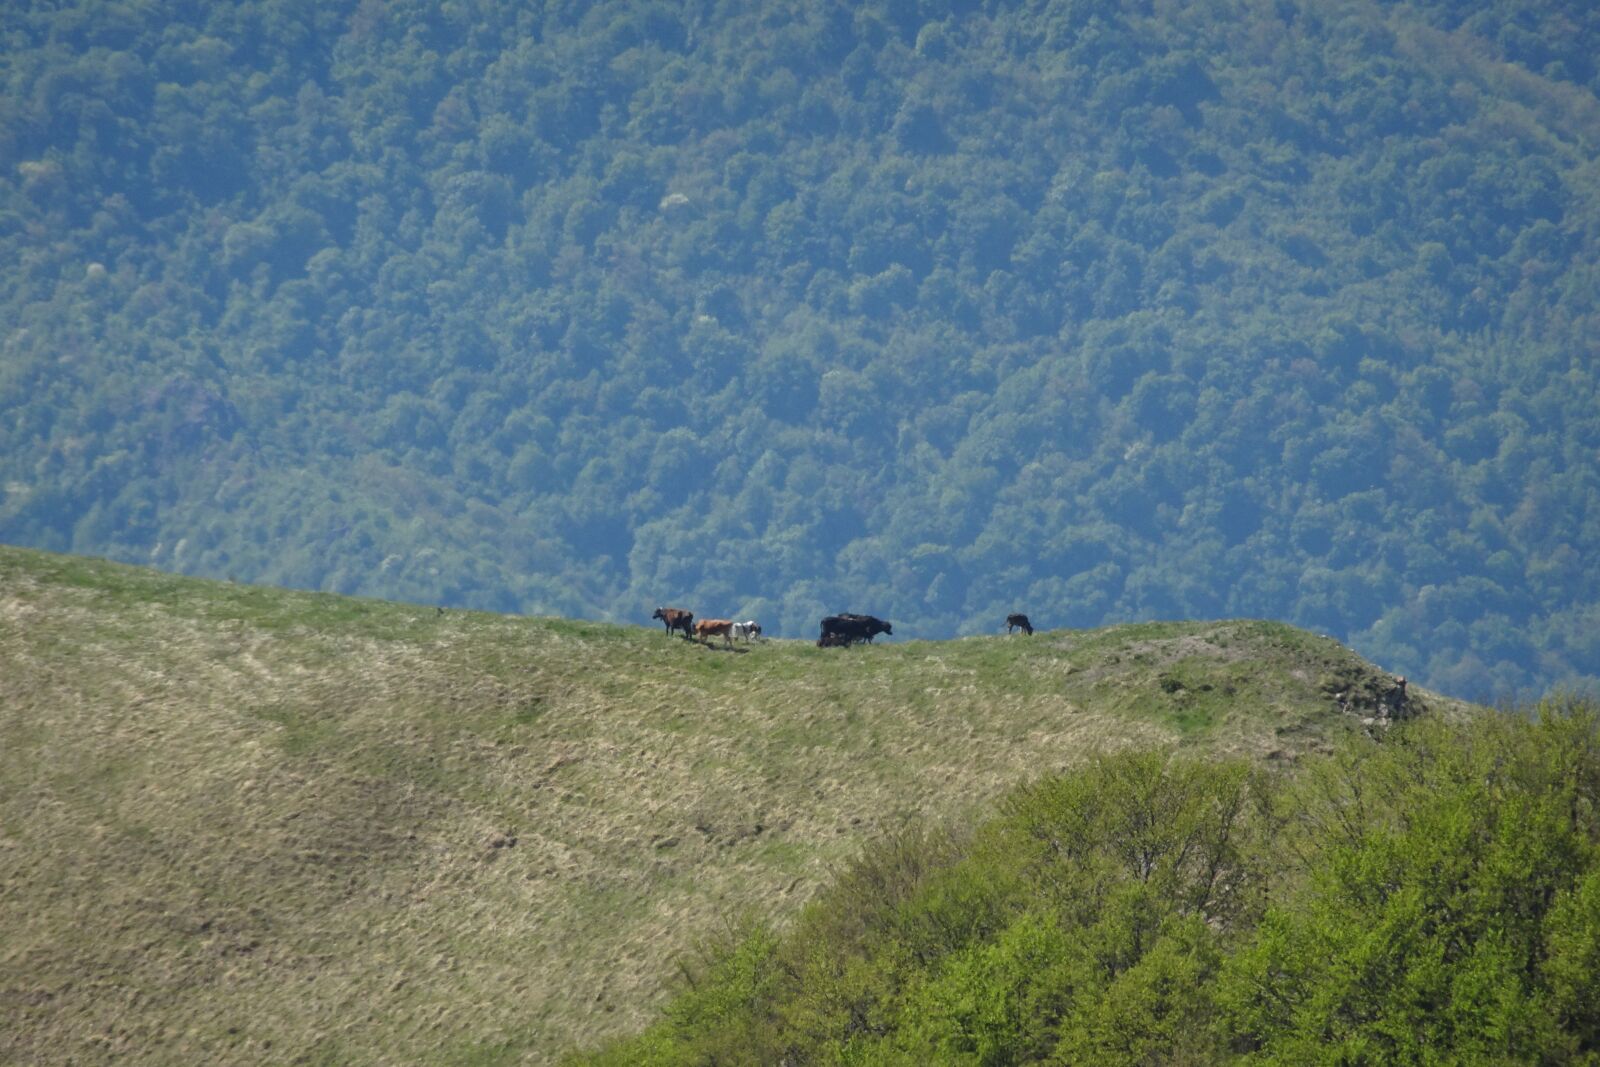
[(706, 629), (838, 631)]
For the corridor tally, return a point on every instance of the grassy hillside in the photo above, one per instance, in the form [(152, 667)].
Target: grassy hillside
[(239, 822)]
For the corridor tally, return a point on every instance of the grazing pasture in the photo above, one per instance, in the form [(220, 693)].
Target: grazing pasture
[(242, 824)]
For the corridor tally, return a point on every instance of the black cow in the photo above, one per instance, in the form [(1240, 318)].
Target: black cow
[(676, 619), (1019, 622), (873, 624), (852, 628)]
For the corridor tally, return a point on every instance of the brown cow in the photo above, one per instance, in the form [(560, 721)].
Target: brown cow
[(676, 619), (706, 629), (1019, 622)]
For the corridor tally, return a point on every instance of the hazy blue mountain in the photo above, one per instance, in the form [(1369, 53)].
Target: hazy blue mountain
[(933, 310)]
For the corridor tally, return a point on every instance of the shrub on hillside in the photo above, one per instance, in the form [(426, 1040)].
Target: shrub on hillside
[(1431, 897)]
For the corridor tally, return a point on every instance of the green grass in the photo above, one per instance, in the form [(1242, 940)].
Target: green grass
[(254, 824)]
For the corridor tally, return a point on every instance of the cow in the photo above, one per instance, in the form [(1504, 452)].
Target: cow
[(747, 630), (832, 640), (853, 628), (872, 623), (676, 620), (706, 629), (1018, 621)]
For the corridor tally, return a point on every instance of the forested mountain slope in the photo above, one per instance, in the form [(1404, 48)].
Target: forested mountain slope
[(241, 824), (936, 310)]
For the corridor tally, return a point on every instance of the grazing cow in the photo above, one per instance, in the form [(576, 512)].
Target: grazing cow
[(832, 640), (1019, 622), (706, 629), (747, 630), (853, 628), (676, 620)]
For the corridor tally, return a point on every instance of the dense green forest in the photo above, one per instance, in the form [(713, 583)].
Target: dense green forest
[(1431, 898), (938, 310)]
